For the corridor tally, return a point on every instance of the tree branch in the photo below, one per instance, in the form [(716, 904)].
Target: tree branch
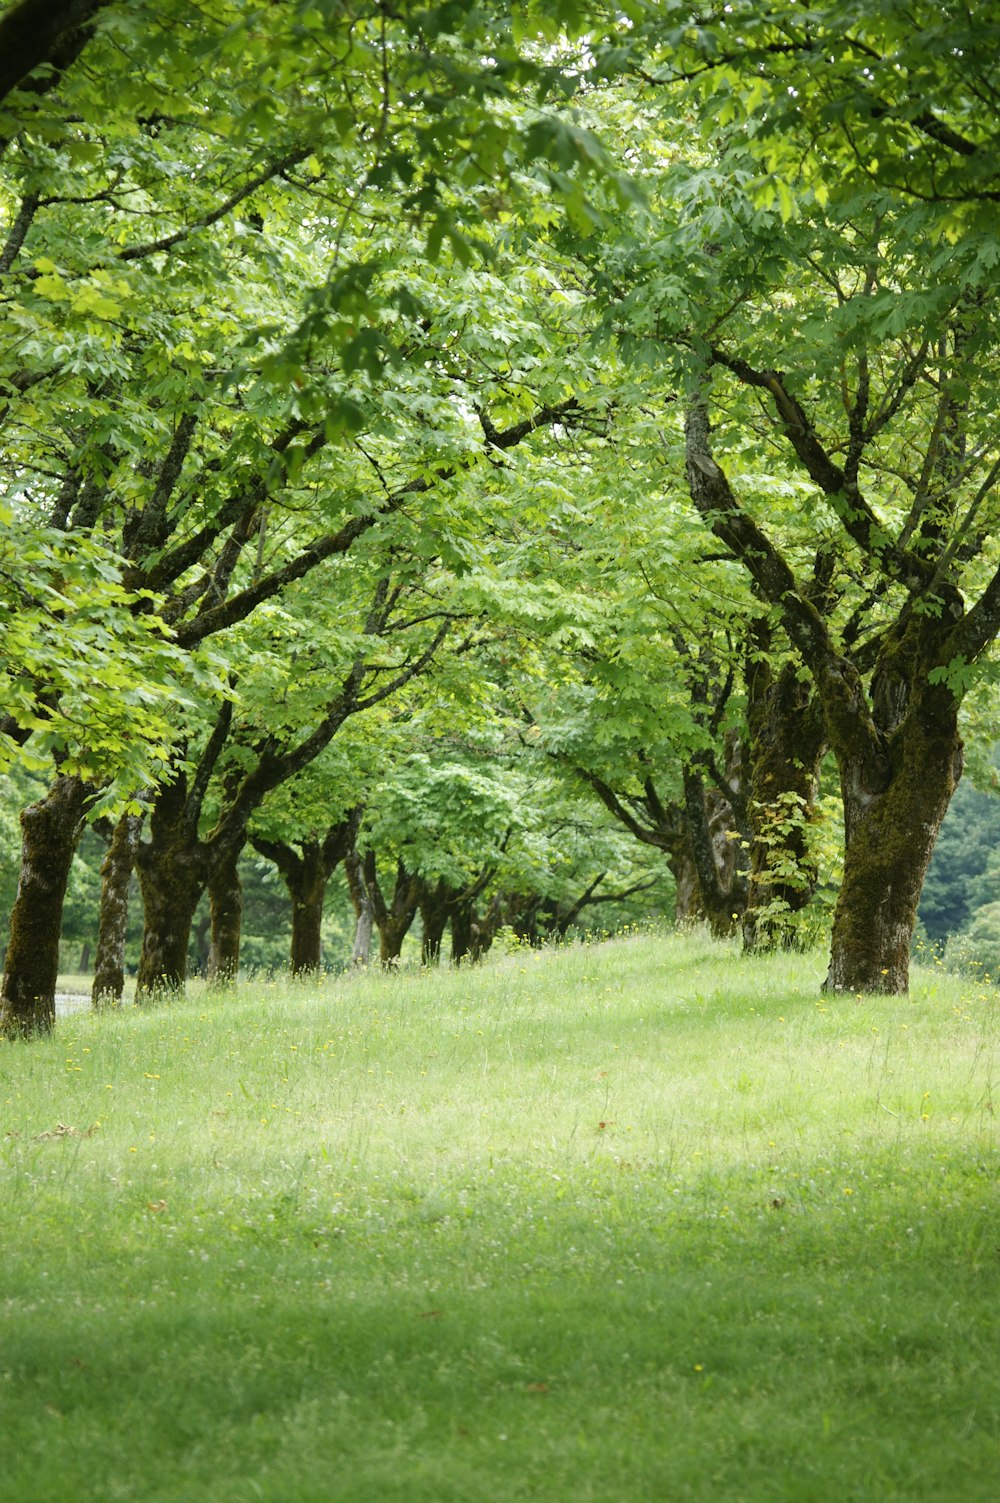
[(852, 509), (274, 169), (207, 764), (18, 230), (35, 32), (219, 617)]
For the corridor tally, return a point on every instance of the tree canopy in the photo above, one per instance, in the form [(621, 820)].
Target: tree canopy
[(605, 397)]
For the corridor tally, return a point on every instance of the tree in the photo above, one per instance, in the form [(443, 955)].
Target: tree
[(306, 866), (774, 325), (897, 744), (164, 438)]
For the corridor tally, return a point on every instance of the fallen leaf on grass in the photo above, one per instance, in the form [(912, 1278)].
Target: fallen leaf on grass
[(156, 1205), (61, 1130), (429, 1315), (536, 1388)]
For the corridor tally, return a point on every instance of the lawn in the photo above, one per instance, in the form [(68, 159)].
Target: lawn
[(628, 1222)]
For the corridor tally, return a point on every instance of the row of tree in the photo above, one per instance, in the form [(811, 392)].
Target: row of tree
[(601, 398)]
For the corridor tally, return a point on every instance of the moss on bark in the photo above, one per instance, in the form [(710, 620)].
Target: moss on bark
[(50, 833), (892, 831)]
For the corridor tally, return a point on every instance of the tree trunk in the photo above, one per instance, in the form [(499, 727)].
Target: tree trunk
[(435, 910), (364, 912), (393, 919), (392, 930), (306, 872), (463, 916), (50, 832), (169, 900), (688, 906), (225, 896), (364, 932), (484, 930), (116, 877), (891, 825), (307, 919), (716, 842), (201, 937), (174, 867), (786, 745)]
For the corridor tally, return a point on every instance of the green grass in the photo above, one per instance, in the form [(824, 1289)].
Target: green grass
[(635, 1222)]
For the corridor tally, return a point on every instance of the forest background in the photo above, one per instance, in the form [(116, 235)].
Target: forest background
[(494, 470)]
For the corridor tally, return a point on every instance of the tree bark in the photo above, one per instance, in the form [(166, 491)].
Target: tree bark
[(364, 912), (33, 32), (50, 833), (483, 931), (307, 922), (787, 740), (716, 839), (116, 877), (891, 825), (201, 937), (436, 904), (463, 917), (225, 897), (688, 906), (174, 867)]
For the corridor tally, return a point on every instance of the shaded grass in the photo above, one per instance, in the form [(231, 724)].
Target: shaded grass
[(636, 1221)]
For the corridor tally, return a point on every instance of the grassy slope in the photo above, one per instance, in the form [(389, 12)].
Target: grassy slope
[(626, 1223)]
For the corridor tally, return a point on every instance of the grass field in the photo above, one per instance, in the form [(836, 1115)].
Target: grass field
[(626, 1223)]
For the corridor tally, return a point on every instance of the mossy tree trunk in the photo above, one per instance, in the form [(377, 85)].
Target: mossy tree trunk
[(201, 938), (463, 916), (174, 867), (786, 743), (116, 878), (893, 809), (473, 932), (307, 919), (716, 828), (50, 834), (225, 899), (688, 906), (485, 927)]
